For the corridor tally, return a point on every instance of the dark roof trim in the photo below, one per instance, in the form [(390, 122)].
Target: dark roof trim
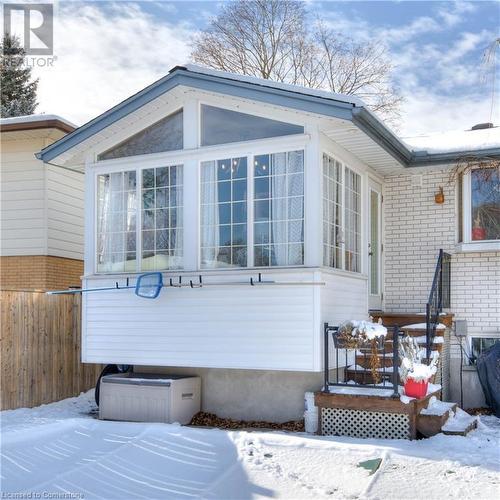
[(372, 127), (35, 125), (257, 91), (422, 158), (181, 76)]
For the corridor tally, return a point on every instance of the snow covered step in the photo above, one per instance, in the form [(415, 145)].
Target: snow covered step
[(459, 423), (420, 329), (431, 419)]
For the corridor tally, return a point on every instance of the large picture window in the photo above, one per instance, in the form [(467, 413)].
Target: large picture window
[(341, 216), (479, 208), (332, 212), (161, 229), (352, 219), (279, 209), (224, 213), (485, 204), (116, 222)]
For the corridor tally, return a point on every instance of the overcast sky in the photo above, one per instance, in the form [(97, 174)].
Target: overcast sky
[(107, 51)]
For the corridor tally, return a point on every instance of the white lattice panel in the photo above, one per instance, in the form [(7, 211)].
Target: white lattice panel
[(364, 424)]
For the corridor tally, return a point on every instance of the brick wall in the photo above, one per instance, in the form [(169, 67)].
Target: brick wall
[(39, 272), (415, 229)]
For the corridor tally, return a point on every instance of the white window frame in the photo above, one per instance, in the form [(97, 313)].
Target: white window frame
[(248, 149), (362, 214), (484, 335), (468, 244)]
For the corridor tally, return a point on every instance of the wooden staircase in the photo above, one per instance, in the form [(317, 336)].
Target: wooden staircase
[(440, 416), (361, 372), (437, 416)]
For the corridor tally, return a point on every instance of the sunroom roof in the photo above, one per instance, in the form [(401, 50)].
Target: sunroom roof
[(349, 122)]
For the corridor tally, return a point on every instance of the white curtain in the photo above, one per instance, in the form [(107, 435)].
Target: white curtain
[(279, 210), (210, 211), (112, 219)]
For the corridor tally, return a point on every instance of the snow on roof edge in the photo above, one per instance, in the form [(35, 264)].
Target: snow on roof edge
[(195, 68), (35, 118), (454, 141)]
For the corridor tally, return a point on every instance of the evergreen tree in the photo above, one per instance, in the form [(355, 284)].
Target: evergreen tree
[(17, 92)]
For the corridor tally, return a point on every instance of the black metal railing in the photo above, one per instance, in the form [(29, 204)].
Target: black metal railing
[(346, 371), (439, 297)]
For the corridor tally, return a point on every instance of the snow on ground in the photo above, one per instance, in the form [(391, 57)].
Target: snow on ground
[(62, 449)]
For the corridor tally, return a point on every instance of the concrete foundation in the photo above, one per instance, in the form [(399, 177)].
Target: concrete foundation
[(273, 396)]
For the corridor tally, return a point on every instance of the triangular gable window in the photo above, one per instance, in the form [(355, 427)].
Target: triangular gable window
[(222, 126), (164, 135)]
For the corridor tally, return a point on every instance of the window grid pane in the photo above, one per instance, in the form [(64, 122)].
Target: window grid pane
[(279, 209), (332, 212), (162, 218), (352, 221), (224, 213), (116, 220)]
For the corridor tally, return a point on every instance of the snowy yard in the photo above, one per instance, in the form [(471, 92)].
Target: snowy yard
[(60, 448)]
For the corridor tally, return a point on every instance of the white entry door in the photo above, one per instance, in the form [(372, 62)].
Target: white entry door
[(374, 245)]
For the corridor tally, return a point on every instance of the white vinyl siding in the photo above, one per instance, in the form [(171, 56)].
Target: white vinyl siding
[(41, 205), (65, 212), (266, 327)]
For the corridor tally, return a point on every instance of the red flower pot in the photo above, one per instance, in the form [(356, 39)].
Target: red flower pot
[(414, 389), (478, 233)]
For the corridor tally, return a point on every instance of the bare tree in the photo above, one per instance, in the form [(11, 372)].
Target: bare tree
[(274, 39)]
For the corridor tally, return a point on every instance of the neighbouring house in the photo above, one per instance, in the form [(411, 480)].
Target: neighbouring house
[(41, 248), (212, 178), (41, 241)]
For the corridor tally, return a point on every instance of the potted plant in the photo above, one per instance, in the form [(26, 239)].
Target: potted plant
[(356, 334), (478, 231), (414, 373), (363, 335)]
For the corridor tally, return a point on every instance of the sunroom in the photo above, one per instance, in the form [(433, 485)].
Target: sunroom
[(214, 180)]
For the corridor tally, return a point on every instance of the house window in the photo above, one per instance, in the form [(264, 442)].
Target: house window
[(221, 126), (341, 216), (161, 231), (481, 344), (352, 221), (116, 224), (479, 207), (332, 212), (224, 213), (279, 209), (485, 204), (164, 135)]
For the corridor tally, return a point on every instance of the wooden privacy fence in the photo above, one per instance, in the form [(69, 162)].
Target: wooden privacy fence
[(40, 349)]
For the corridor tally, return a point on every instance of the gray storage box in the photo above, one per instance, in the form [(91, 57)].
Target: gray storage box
[(148, 397)]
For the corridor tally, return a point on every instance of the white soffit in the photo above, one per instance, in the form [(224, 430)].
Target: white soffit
[(121, 129), (366, 149)]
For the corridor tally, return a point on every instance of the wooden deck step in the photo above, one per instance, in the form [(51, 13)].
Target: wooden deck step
[(431, 419), (402, 318), (420, 330), (460, 423)]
